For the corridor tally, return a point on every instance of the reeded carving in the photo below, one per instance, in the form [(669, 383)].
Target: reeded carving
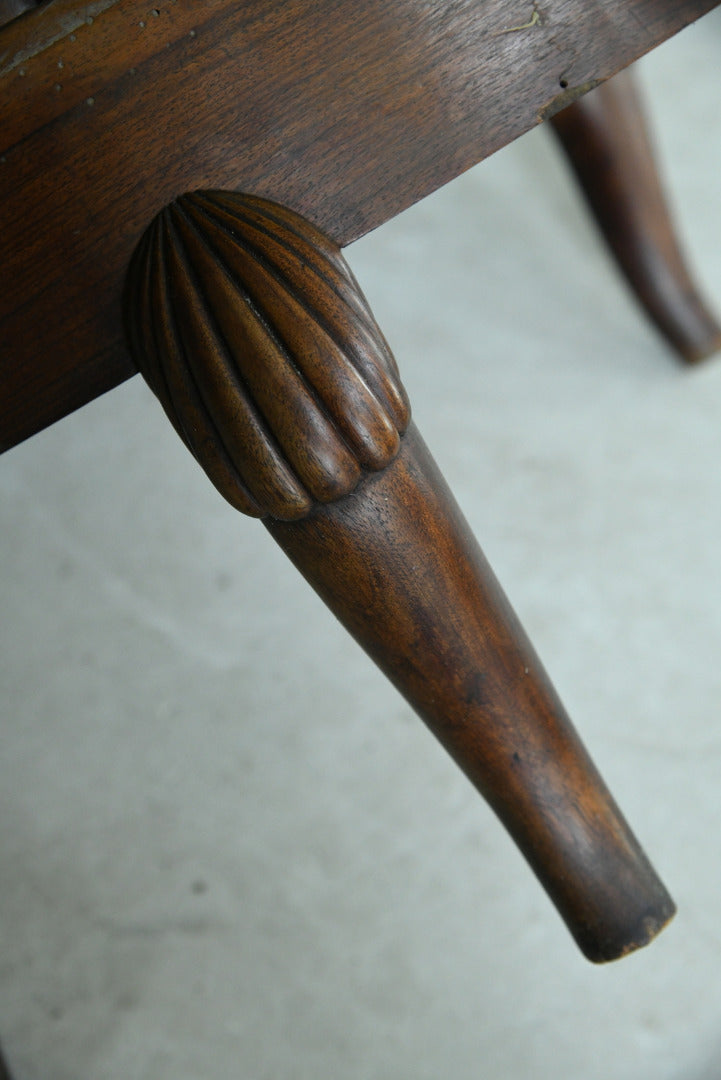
[(249, 326)]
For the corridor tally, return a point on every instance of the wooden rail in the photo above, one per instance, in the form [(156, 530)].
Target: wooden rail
[(345, 112)]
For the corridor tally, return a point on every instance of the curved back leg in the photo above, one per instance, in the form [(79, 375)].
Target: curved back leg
[(606, 139)]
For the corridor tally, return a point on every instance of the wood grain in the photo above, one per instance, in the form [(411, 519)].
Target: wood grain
[(345, 112), (250, 328), (609, 146)]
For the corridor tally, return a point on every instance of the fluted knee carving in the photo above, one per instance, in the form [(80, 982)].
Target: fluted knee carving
[(264, 353), (249, 326)]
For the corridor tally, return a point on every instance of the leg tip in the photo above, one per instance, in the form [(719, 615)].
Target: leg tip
[(604, 945)]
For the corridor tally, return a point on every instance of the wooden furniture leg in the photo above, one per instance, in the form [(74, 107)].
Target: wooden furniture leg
[(248, 325), (607, 141)]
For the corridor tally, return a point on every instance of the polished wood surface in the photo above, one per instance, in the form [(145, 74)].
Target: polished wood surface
[(608, 144), (252, 331), (345, 112)]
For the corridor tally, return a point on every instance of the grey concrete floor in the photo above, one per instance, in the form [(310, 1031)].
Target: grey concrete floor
[(228, 849)]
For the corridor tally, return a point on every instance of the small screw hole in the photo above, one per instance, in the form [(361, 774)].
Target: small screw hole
[(563, 83)]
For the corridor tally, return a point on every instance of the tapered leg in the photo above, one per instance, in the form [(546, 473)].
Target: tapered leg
[(606, 138), (248, 324)]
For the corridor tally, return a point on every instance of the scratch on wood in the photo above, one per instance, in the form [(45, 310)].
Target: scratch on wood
[(533, 21), (561, 101)]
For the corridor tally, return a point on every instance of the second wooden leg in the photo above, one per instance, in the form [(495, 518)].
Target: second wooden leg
[(606, 138)]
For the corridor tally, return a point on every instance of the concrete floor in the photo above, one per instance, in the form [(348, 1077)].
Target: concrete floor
[(228, 848)]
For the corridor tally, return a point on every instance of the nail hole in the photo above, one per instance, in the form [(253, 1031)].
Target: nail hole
[(563, 83)]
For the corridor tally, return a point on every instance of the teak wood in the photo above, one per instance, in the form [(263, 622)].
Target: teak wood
[(345, 112), (606, 138), (249, 326)]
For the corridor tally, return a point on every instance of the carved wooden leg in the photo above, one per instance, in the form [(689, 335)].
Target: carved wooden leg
[(249, 326), (607, 141)]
